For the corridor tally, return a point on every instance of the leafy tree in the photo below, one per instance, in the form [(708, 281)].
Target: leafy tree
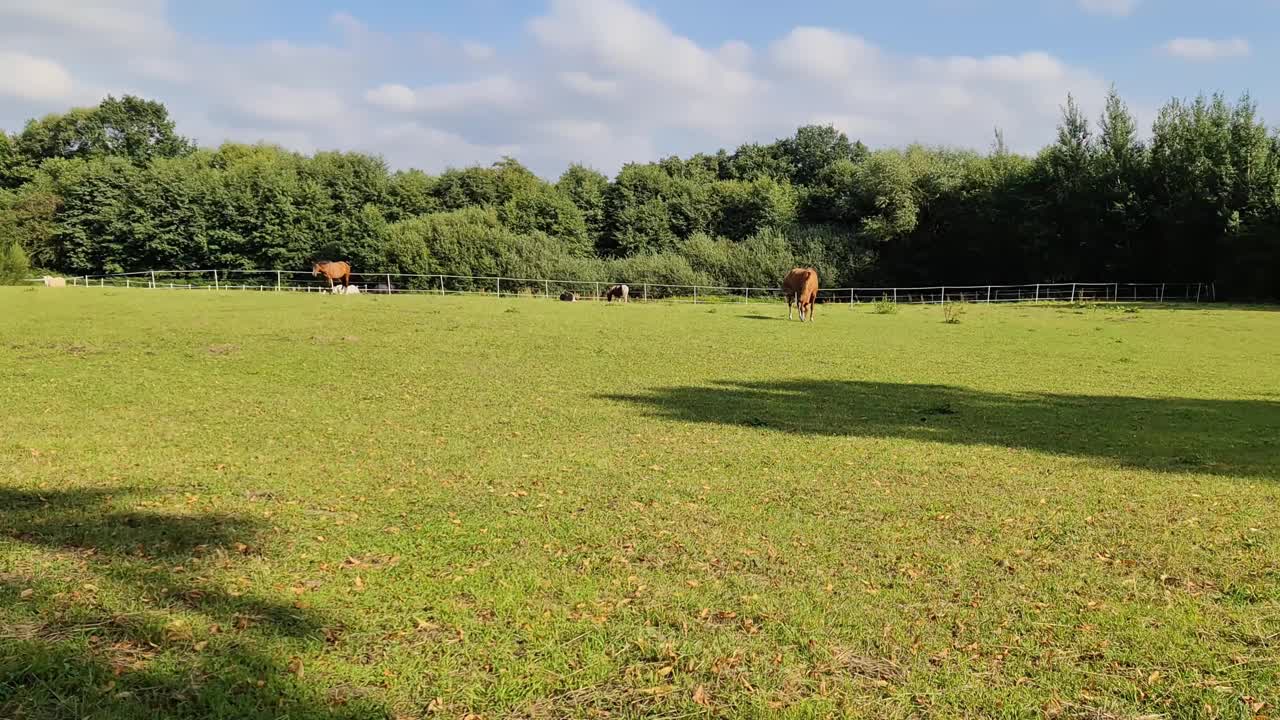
[(411, 193), (813, 148), (636, 205), (586, 188), (744, 208), (11, 174), (128, 127), (542, 208), (14, 265)]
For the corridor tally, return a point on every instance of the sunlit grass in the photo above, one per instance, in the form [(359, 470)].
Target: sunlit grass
[(265, 505)]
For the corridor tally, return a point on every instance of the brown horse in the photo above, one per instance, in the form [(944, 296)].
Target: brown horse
[(333, 271), (801, 286)]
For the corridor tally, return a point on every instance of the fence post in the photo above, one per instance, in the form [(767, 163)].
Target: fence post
[(215, 280), (126, 282), (388, 283), (895, 296), (851, 294), (944, 295), (1037, 292), (277, 281), (441, 284), (988, 294), (1198, 291), (695, 294), (153, 279), (546, 289), (646, 292), (499, 287), (102, 282), (1213, 292), (1116, 287), (1073, 292), (746, 298)]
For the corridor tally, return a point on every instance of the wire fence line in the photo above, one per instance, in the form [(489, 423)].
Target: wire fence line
[(443, 284)]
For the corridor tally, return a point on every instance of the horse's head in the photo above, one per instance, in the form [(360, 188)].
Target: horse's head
[(316, 266)]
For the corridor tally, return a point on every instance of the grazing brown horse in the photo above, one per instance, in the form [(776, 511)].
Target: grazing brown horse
[(801, 286), (622, 292), (333, 271)]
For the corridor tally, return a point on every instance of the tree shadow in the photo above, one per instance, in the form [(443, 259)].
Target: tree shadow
[(1223, 437), (157, 632)]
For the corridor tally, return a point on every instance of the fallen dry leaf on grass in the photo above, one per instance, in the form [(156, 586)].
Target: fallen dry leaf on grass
[(700, 696)]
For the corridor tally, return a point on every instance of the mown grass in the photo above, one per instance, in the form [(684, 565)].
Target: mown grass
[(259, 505)]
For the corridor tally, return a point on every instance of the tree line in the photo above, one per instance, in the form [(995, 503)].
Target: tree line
[(115, 188)]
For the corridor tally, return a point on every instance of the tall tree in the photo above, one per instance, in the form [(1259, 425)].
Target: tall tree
[(129, 127), (586, 189), (812, 148)]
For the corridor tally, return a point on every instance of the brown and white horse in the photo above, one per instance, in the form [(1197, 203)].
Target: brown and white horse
[(801, 286), (340, 271), (621, 292)]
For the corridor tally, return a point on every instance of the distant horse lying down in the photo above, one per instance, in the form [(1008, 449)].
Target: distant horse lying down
[(333, 271), (54, 281), (617, 291), (348, 290), (569, 296), (801, 286)]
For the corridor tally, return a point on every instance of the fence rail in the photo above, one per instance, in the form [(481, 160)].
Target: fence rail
[(399, 283)]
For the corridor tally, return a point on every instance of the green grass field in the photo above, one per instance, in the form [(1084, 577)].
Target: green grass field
[(261, 505)]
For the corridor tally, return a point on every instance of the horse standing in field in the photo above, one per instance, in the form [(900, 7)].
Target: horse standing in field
[(801, 286), (621, 292), (340, 271)]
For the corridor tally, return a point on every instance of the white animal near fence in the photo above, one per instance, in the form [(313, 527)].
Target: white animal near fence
[(54, 281), (348, 290)]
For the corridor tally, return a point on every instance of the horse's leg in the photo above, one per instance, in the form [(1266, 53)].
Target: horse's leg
[(788, 306)]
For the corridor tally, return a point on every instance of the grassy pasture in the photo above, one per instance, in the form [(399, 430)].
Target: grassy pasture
[(260, 505)]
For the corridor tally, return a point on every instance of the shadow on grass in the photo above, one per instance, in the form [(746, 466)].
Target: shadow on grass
[(1223, 437), (175, 644)]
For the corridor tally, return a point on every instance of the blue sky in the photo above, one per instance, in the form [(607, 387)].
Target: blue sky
[(437, 84)]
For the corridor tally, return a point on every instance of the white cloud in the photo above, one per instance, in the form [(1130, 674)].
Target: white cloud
[(497, 91), (585, 84), (1117, 8), (883, 98), (478, 51), (824, 53), (1206, 49), (603, 82), (33, 78), (625, 39), (292, 106), (123, 22), (392, 96)]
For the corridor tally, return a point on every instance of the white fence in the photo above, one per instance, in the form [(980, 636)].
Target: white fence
[(302, 281)]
